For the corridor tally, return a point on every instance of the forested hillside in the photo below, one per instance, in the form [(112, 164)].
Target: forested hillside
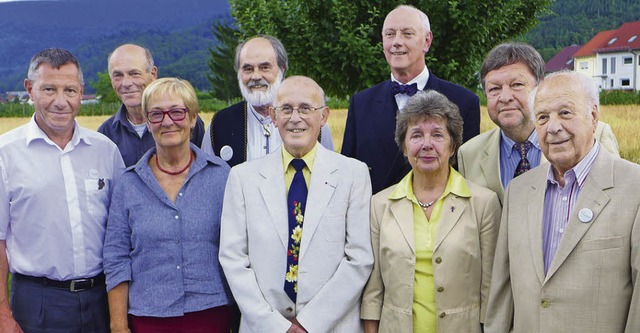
[(576, 22)]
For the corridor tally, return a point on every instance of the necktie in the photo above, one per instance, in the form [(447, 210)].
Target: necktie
[(296, 202), (524, 165), (408, 89)]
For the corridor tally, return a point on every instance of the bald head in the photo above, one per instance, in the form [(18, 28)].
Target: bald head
[(131, 69)]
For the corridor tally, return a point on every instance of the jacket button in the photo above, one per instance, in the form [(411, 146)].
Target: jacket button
[(442, 315), (289, 310), (438, 260), (440, 289), (545, 304)]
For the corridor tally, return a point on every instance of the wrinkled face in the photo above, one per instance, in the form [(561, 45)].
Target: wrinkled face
[(405, 42), (507, 89), (259, 75), (299, 132), (128, 70), (565, 122), (56, 96), (170, 133), (428, 145)]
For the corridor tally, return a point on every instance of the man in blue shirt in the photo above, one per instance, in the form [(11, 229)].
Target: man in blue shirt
[(131, 69)]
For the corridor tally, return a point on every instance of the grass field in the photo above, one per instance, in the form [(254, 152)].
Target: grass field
[(624, 120)]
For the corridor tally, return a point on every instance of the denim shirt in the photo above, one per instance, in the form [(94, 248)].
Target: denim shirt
[(168, 252)]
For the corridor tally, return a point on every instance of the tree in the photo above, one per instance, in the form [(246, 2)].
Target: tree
[(224, 82), (338, 42), (103, 88)]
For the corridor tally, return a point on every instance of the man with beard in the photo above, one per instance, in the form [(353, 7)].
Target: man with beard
[(131, 69), (244, 131)]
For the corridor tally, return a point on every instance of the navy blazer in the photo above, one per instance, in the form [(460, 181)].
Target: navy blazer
[(229, 128), (371, 124)]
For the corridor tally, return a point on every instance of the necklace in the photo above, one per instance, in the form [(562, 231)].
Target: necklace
[(173, 173), (425, 205)]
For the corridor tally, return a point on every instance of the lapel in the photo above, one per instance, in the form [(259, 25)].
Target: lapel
[(274, 193), (402, 211), (592, 196), (535, 189), (452, 209), (490, 164), (322, 185)]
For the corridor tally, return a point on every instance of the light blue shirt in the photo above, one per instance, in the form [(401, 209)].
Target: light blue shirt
[(168, 252), (510, 157)]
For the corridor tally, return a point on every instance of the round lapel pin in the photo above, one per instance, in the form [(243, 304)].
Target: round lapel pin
[(226, 153), (585, 215)]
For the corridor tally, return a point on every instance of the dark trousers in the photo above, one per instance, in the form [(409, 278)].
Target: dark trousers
[(214, 320), (43, 309)]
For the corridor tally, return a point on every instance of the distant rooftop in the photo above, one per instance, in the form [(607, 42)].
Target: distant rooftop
[(562, 60)]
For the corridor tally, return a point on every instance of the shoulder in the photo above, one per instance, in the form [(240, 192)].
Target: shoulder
[(18, 133), (481, 193), (372, 91), (230, 111), (108, 124), (480, 141), (347, 163), (97, 138)]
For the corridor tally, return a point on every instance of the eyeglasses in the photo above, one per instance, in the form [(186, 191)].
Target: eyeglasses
[(303, 110), (175, 114)]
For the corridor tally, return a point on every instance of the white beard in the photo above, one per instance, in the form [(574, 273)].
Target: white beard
[(261, 98)]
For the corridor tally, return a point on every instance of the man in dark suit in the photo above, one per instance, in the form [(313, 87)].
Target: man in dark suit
[(371, 122), (244, 131)]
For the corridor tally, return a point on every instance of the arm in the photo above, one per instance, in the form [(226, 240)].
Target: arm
[(490, 223), (471, 125), (607, 139), (234, 258), (118, 300), (7, 323), (371, 326), (373, 294), (206, 142), (633, 318), (342, 292), (461, 163), (326, 140), (349, 137)]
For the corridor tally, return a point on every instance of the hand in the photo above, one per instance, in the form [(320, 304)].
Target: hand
[(122, 330), (8, 324)]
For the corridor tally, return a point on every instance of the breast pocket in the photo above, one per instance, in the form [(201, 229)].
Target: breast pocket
[(602, 243), (97, 196)]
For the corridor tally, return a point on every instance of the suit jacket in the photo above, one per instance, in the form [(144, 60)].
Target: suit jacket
[(479, 158), (593, 283), (371, 125), (228, 127), (463, 257), (335, 252)]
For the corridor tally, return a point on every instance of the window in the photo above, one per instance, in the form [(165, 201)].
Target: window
[(613, 65), (613, 40), (627, 60), (625, 82), (632, 38), (604, 65), (584, 65)]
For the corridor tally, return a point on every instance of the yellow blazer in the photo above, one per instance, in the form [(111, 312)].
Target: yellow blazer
[(462, 261)]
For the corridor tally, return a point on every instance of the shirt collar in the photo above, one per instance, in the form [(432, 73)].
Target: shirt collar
[(34, 132), (420, 80), (582, 169), (308, 159), (507, 144), (456, 184), (260, 118)]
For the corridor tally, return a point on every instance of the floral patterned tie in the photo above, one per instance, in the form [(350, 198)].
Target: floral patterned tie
[(296, 202), (524, 165)]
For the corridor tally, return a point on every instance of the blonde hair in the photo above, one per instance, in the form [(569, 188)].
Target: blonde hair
[(171, 86)]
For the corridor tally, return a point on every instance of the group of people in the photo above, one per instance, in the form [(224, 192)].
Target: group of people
[(255, 224)]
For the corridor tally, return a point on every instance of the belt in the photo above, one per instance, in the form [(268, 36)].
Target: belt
[(71, 285)]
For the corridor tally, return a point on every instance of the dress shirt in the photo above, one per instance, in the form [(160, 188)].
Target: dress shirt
[(510, 157), (559, 203), (421, 80), (289, 170), (168, 251), (257, 141), (54, 201), (132, 146)]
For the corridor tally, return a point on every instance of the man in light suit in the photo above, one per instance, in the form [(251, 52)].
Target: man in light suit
[(371, 121), (568, 252), (333, 256), (508, 75)]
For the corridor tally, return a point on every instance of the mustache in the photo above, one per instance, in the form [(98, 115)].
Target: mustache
[(261, 82)]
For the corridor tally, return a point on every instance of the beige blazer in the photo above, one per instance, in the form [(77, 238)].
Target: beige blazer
[(462, 260), (479, 158), (593, 284), (335, 252)]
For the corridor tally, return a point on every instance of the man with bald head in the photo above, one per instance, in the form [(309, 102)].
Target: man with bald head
[(300, 264), (131, 69), (568, 253), (371, 121), (245, 131)]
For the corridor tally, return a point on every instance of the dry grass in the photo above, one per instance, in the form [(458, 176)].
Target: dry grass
[(624, 120)]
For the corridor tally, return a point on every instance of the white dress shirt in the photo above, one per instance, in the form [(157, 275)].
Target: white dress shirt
[(53, 201), (420, 80)]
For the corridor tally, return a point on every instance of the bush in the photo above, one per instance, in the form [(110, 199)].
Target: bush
[(619, 97)]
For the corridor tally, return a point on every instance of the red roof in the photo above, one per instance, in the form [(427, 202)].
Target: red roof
[(596, 42), (627, 37), (562, 60)]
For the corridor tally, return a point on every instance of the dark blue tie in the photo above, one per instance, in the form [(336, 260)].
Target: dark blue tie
[(407, 89), (523, 165), (296, 202)]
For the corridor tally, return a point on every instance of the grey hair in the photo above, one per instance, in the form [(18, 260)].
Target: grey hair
[(278, 48), (509, 54), (427, 104), (54, 57), (423, 17), (147, 55), (581, 81)]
